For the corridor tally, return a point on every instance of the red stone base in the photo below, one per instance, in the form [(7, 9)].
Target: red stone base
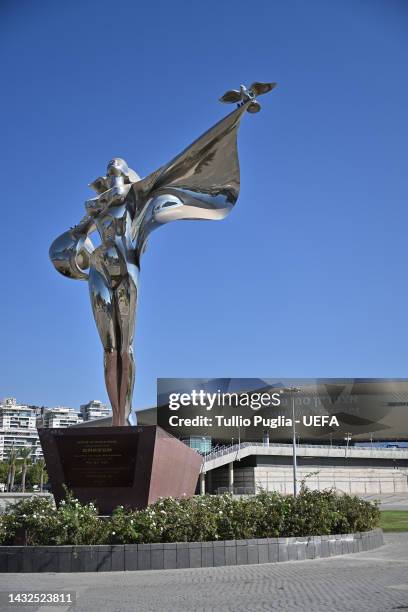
[(112, 466)]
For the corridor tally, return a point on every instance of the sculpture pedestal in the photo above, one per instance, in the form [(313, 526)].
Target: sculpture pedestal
[(113, 466)]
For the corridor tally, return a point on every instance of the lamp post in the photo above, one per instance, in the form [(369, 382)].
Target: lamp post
[(347, 438), (292, 391)]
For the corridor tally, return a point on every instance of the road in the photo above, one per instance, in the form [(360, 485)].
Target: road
[(390, 501), (375, 581)]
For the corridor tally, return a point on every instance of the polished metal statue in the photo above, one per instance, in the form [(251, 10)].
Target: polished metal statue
[(200, 183)]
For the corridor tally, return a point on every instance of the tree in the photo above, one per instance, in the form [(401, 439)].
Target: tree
[(4, 468), (25, 453), (12, 463), (36, 473), (41, 467)]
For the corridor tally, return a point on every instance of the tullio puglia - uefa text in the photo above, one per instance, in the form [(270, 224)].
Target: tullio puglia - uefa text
[(207, 400)]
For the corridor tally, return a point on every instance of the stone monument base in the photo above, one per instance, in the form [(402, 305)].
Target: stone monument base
[(112, 466)]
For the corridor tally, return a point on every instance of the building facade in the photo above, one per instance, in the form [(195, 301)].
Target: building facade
[(18, 429), (60, 417), (94, 410), (249, 468), (201, 444)]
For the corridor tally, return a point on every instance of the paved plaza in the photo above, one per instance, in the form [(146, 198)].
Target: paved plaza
[(391, 501), (375, 581)]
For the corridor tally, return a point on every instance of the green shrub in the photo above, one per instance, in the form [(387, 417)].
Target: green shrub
[(359, 515), (311, 513), (36, 521), (272, 515), (32, 522), (79, 523)]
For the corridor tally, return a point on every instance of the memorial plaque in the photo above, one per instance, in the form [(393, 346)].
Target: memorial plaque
[(102, 461)]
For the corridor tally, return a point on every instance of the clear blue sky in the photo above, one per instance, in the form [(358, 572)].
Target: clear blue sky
[(306, 277)]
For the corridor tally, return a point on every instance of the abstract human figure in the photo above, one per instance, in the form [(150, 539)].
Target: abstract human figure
[(200, 183)]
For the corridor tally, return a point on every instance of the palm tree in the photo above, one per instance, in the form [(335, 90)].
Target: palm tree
[(12, 462), (41, 466), (25, 453)]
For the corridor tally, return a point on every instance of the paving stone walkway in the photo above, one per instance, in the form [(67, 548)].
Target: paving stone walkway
[(375, 581)]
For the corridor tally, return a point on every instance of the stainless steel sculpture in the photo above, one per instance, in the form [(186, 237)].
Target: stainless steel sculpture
[(200, 183)]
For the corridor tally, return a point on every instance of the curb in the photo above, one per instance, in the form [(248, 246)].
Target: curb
[(181, 555)]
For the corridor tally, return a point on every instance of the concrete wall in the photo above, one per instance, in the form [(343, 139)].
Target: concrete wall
[(351, 479), (182, 555), (12, 498)]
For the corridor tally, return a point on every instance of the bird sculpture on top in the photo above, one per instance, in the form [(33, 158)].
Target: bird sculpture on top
[(244, 95)]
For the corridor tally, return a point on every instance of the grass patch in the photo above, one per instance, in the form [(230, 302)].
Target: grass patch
[(394, 520)]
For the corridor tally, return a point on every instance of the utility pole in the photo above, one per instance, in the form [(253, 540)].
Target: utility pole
[(347, 438), (291, 391), (294, 446)]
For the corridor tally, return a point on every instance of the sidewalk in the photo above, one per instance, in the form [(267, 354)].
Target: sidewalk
[(375, 581)]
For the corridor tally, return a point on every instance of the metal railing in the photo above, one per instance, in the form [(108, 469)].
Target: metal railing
[(227, 449)]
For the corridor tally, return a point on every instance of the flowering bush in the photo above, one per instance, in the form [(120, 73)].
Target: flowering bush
[(79, 523), (202, 518), (31, 521), (35, 521)]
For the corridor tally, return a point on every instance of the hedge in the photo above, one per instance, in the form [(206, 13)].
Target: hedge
[(35, 521)]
